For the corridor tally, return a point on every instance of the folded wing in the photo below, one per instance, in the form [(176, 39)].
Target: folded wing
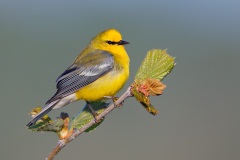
[(91, 67)]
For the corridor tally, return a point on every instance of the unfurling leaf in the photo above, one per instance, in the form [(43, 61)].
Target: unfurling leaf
[(45, 118), (45, 123), (58, 126), (144, 100), (64, 132), (151, 87), (156, 65)]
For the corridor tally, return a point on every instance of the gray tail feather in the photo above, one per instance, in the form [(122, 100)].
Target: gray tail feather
[(45, 110)]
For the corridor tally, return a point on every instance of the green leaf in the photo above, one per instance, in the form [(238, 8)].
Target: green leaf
[(157, 64), (85, 116), (54, 126)]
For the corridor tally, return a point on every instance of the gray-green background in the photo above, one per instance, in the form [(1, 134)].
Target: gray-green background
[(199, 110)]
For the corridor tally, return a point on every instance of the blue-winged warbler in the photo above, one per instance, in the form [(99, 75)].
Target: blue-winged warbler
[(101, 69)]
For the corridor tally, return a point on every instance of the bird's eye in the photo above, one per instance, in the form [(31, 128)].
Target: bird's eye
[(111, 42), (108, 42)]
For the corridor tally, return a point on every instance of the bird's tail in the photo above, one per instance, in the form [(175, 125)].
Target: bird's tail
[(43, 112)]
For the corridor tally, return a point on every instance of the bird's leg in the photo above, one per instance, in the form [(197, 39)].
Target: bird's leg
[(93, 112), (114, 99)]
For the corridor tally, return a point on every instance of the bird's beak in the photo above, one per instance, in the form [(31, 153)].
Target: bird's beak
[(122, 42)]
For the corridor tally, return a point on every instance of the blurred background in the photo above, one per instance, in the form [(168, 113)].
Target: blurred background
[(199, 110)]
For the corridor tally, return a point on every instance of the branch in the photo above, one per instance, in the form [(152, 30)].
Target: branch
[(76, 133), (147, 82)]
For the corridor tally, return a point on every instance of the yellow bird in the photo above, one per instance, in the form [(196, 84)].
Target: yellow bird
[(99, 71)]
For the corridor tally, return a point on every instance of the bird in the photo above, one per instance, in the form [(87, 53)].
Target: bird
[(100, 70)]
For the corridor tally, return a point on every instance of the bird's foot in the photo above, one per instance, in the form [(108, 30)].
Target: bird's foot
[(94, 113), (114, 99)]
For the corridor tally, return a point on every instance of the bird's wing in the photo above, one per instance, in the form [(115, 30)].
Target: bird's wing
[(87, 70)]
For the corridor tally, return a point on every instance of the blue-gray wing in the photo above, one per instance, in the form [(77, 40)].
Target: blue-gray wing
[(89, 68)]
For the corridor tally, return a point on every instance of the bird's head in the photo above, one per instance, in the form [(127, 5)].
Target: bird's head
[(109, 40)]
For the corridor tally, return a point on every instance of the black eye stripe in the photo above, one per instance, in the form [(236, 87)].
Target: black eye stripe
[(111, 42)]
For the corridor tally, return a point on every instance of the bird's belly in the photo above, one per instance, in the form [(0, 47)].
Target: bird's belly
[(108, 85)]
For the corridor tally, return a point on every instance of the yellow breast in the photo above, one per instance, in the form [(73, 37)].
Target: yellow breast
[(108, 85)]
